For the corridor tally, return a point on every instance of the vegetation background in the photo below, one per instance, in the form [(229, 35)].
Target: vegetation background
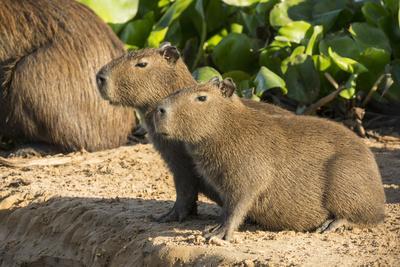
[(309, 55)]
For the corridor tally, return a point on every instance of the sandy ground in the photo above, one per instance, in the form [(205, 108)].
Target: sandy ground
[(99, 214)]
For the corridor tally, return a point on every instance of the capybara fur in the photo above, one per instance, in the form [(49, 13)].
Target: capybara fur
[(141, 79), (50, 52), (285, 172)]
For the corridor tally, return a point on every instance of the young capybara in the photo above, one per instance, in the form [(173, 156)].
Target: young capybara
[(284, 172), (141, 79), (50, 53)]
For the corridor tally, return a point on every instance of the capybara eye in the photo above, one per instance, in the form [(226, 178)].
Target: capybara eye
[(141, 64), (201, 98)]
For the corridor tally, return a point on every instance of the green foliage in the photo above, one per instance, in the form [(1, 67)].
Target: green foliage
[(115, 11), (205, 74), (265, 44)]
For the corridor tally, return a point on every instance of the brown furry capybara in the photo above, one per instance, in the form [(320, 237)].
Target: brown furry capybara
[(50, 52), (287, 172), (141, 79)]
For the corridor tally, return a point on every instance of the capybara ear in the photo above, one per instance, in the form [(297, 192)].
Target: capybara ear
[(169, 52), (215, 81), (227, 87)]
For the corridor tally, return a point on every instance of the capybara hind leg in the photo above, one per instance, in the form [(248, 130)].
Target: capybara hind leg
[(334, 225), (355, 190)]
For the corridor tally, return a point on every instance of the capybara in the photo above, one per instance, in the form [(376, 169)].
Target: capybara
[(50, 52), (141, 79), (284, 172)]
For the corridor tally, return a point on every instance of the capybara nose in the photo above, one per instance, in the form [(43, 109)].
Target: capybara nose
[(101, 80)]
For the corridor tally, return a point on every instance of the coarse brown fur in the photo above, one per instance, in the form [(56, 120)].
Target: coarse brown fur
[(141, 79), (50, 52), (292, 173)]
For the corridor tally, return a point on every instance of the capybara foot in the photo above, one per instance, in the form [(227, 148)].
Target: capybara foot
[(217, 231), (33, 150), (334, 225), (177, 214)]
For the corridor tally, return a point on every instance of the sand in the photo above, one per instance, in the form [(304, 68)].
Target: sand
[(100, 214)]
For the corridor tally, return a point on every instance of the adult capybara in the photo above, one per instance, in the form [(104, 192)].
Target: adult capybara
[(141, 79), (50, 52), (288, 172)]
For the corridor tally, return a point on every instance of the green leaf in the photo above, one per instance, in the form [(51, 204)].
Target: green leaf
[(347, 64), (199, 20), (266, 80), (160, 29), (350, 87), (375, 59), (204, 74), (393, 93), (392, 5), (116, 11), (302, 80), (237, 28), (237, 75), (156, 37), (214, 40), (272, 56), (217, 14), (249, 94), (298, 51), (280, 15), (368, 36), (341, 44), (373, 12), (136, 32), (293, 32), (317, 12), (234, 52), (321, 62), (316, 35), (240, 2)]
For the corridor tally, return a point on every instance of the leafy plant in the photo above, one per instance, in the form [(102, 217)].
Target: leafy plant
[(267, 44)]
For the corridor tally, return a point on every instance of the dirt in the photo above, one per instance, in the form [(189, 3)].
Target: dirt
[(100, 214)]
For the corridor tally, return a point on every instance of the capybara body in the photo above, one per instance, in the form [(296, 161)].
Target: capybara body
[(50, 53), (141, 79), (285, 172)]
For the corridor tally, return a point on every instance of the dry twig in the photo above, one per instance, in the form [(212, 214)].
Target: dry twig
[(326, 99), (23, 163)]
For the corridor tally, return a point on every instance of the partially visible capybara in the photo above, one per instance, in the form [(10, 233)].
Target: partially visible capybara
[(141, 79), (288, 172), (50, 52)]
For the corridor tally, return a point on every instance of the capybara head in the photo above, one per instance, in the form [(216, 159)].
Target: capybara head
[(142, 78), (197, 112)]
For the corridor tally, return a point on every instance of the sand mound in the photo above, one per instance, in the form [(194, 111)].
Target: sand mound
[(99, 214)]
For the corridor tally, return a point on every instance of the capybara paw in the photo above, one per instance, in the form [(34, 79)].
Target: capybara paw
[(170, 216), (324, 226), (176, 214), (217, 231), (25, 152), (335, 225)]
